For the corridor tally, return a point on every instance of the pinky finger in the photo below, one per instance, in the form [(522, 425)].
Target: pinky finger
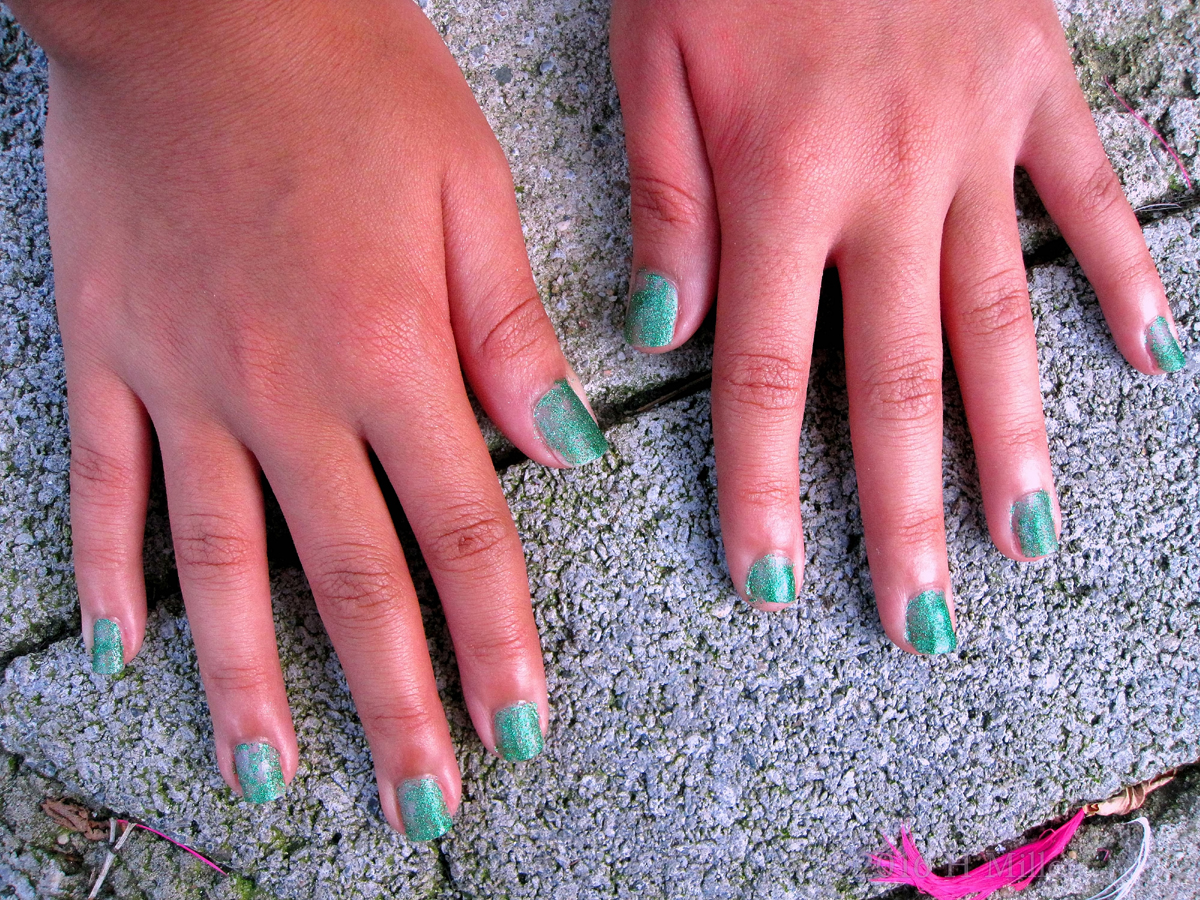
[(1064, 157), (110, 482)]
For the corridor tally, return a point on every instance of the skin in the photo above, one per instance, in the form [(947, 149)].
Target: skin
[(278, 232), (769, 140)]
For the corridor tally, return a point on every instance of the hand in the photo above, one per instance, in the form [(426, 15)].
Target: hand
[(769, 139), (277, 234)]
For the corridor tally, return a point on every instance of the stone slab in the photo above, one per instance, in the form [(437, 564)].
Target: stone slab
[(699, 748), (540, 71)]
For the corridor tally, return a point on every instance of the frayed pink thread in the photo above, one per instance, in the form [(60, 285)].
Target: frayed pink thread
[(1016, 869), (1151, 129), (205, 860)]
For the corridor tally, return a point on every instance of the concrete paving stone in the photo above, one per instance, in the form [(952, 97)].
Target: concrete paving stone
[(540, 71), (41, 859), (1103, 849), (699, 748)]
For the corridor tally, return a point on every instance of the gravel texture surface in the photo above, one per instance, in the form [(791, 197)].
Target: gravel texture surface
[(697, 748)]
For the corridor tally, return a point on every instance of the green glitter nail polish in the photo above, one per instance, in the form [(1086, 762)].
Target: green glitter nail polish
[(108, 653), (259, 772), (771, 580), (423, 809), (567, 426), (518, 732), (1163, 346), (927, 623), (650, 319), (1033, 524)]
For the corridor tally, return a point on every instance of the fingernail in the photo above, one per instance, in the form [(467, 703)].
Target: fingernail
[(108, 653), (518, 732), (567, 426), (653, 305), (423, 809), (771, 580), (927, 623), (1167, 353), (1033, 524), (259, 772)]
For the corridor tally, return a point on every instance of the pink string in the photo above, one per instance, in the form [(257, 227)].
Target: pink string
[(206, 861), (1015, 869), (1151, 129)]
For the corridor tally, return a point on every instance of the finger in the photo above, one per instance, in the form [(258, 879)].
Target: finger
[(506, 343), (217, 525), (355, 567), (765, 323), (453, 502), (894, 382), (990, 328), (110, 486), (676, 235), (1064, 157)]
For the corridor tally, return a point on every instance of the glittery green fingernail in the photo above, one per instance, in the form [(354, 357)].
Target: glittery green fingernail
[(423, 809), (259, 772), (108, 653), (771, 580), (1163, 347), (567, 426), (927, 623), (650, 319), (518, 732), (1033, 524)]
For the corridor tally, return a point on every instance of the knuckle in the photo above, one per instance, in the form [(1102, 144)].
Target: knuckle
[(405, 718), (665, 202), (905, 388), (355, 583), (247, 677), (496, 646), (517, 333), (998, 305), (918, 529), (207, 544), (763, 381), (465, 536), (769, 492), (1024, 439), (1100, 192), (101, 477)]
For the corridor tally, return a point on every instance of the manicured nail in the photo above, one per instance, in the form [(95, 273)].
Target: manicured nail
[(927, 623), (1033, 524), (1163, 346), (259, 772), (771, 580), (518, 732), (108, 653), (567, 426), (653, 305), (423, 809)]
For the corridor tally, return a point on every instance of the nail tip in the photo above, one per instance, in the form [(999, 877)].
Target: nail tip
[(772, 579), (519, 732), (927, 624), (1161, 343), (423, 809), (567, 426), (108, 650), (652, 312), (1033, 525), (259, 772)]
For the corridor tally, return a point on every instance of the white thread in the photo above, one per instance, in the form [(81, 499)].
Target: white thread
[(1123, 886)]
